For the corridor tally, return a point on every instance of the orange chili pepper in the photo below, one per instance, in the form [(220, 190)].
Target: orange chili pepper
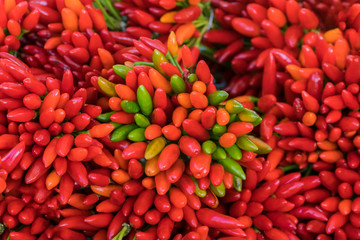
[(120, 176), (222, 117), (69, 19), (198, 100), (159, 81), (106, 58), (76, 200), (168, 17), (332, 35), (185, 32), (171, 132), (125, 92), (227, 140), (74, 5), (115, 103), (152, 131), (52, 180), (184, 100), (148, 183), (172, 45), (9, 4), (309, 119), (196, 115), (179, 115), (199, 86), (331, 156), (101, 130), (105, 191), (151, 167)]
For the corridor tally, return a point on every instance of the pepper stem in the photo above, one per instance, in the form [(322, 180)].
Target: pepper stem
[(2, 229), (290, 167), (174, 62), (123, 233), (113, 22)]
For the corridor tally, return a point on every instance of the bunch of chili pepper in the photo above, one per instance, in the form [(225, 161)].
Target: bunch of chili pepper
[(318, 120), (189, 19), (252, 29), (51, 145), (177, 122), (74, 35), (16, 19)]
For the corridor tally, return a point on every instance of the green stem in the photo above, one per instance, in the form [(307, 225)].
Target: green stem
[(110, 21), (111, 9), (207, 52), (290, 167), (23, 31), (174, 62), (2, 229), (124, 231), (308, 170), (204, 29)]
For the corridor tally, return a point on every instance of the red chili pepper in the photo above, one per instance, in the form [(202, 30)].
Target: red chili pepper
[(144, 202), (13, 157), (214, 219), (269, 81), (186, 184), (168, 156), (188, 14), (165, 228), (195, 129), (281, 220), (308, 213), (265, 190)]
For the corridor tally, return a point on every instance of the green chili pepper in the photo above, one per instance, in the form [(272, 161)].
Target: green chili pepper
[(248, 115), (237, 183), (192, 78), (144, 100), (233, 118), (121, 70), (232, 167), (130, 106), (217, 97), (234, 152), (219, 154), (155, 147), (141, 120), (122, 132), (219, 129), (244, 143), (208, 147), (177, 84), (116, 125), (219, 191), (107, 87), (137, 135), (105, 117), (233, 106), (264, 148), (158, 57), (198, 191)]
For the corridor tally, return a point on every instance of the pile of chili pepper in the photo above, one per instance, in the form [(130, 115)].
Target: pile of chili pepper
[(15, 21), (112, 125)]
